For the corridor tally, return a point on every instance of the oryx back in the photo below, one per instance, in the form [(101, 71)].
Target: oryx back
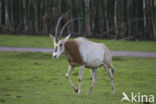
[(92, 53)]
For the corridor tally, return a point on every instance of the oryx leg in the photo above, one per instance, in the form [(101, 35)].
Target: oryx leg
[(80, 78), (70, 69), (94, 79), (110, 71)]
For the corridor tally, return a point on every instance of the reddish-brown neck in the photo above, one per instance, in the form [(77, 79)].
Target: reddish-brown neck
[(72, 50)]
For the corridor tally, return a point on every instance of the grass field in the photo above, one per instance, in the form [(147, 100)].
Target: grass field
[(46, 42), (35, 78)]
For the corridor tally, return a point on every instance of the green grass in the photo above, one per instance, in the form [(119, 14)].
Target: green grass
[(35, 78), (46, 42)]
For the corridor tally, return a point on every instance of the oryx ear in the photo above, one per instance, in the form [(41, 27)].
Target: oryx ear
[(66, 38), (52, 37)]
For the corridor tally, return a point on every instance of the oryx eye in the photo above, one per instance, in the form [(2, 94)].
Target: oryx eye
[(60, 45)]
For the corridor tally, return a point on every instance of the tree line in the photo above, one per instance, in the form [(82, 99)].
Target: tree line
[(111, 19)]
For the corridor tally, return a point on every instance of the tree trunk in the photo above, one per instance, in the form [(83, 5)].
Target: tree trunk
[(37, 15), (3, 12), (63, 6), (154, 20), (128, 17), (115, 19), (0, 11), (144, 13), (74, 15), (96, 20), (107, 21), (82, 14)]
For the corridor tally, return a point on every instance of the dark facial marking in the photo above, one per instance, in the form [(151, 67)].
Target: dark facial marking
[(56, 49), (60, 46)]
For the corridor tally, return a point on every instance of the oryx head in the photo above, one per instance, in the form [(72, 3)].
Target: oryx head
[(58, 42)]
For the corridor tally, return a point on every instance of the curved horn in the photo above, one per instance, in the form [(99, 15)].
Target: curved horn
[(62, 30), (57, 26)]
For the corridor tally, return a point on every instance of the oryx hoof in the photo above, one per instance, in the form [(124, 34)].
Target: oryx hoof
[(76, 90)]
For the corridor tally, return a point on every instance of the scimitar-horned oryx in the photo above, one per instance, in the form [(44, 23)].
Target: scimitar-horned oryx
[(84, 53)]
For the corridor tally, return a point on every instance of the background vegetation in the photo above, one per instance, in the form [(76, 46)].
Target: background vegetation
[(128, 19), (47, 42)]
